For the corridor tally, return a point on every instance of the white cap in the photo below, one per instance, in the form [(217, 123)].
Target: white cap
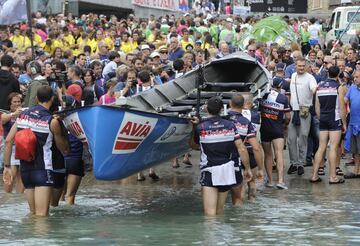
[(154, 54), (229, 20), (145, 46)]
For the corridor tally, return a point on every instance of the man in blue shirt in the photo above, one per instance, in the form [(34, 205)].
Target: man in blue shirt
[(352, 139)]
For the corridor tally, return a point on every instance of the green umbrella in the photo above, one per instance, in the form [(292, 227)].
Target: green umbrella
[(272, 29)]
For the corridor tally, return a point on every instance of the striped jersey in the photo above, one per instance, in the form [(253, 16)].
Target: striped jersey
[(38, 119), (327, 93), (216, 137)]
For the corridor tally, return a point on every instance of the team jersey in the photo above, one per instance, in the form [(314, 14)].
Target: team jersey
[(216, 137), (255, 120), (244, 127), (38, 119), (327, 93), (273, 106)]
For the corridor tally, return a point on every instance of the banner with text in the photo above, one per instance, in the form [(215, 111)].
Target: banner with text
[(171, 5)]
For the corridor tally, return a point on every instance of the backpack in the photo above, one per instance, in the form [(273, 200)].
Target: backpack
[(25, 145)]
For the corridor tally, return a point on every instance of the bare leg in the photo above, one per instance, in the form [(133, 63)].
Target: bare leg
[(19, 186), (335, 137), (357, 164), (320, 153), (210, 200), (252, 186), (55, 196), (237, 195), (279, 154), (42, 197), (268, 160), (30, 197), (221, 202), (73, 183)]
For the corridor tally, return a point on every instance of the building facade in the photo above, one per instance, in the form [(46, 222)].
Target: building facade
[(120, 8)]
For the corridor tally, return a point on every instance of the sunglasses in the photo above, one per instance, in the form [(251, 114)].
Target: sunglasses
[(251, 50), (325, 62), (358, 63), (288, 50)]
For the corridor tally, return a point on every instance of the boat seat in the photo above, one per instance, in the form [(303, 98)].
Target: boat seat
[(177, 108), (229, 84)]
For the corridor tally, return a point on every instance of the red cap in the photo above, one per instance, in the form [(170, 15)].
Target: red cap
[(75, 91)]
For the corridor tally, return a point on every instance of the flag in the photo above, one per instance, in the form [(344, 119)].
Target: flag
[(12, 11)]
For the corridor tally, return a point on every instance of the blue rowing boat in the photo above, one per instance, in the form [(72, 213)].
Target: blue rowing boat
[(151, 127)]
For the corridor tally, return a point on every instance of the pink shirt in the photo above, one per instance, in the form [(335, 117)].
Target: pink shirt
[(106, 99)]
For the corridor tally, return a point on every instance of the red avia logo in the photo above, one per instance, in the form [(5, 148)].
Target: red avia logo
[(73, 124), (133, 130)]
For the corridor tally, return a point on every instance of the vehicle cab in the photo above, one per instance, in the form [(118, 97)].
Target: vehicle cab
[(340, 18)]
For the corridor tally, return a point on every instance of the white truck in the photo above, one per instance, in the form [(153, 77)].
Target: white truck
[(339, 21)]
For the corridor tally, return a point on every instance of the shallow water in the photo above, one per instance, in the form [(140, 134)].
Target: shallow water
[(169, 212)]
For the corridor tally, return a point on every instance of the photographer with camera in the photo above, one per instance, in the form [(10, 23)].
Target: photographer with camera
[(128, 87), (38, 80)]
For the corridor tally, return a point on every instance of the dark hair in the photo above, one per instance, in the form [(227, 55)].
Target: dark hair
[(113, 55), (44, 94), (95, 63), (237, 100), (334, 71), (6, 61), (88, 70), (178, 64), (144, 76), (214, 105), (12, 95), (76, 70), (15, 65)]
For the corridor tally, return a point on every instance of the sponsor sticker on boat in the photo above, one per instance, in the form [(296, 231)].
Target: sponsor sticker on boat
[(132, 132), (175, 133), (73, 124)]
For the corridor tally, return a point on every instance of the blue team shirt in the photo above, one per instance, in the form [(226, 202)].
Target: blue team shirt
[(244, 127), (273, 106), (38, 119), (216, 137), (327, 93)]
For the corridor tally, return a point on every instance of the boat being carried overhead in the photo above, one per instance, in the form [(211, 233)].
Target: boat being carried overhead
[(150, 127)]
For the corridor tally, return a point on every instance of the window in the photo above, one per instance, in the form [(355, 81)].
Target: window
[(331, 24), (337, 21), (350, 16), (316, 4)]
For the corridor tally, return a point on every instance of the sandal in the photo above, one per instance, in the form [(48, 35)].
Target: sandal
[(154, 177), (316, 180), (352, 176), (338, 181), (339, 172), (321, 171)]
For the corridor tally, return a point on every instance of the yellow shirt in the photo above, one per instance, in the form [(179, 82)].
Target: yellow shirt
[(68, 41), (128, 46), (77, 51), (20, 42), (186, 43), (109, 42), (37, 40)]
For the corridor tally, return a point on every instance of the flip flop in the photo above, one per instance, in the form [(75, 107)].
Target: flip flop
[(352, 176), (187, 163), (316, 180), (339, 181)]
